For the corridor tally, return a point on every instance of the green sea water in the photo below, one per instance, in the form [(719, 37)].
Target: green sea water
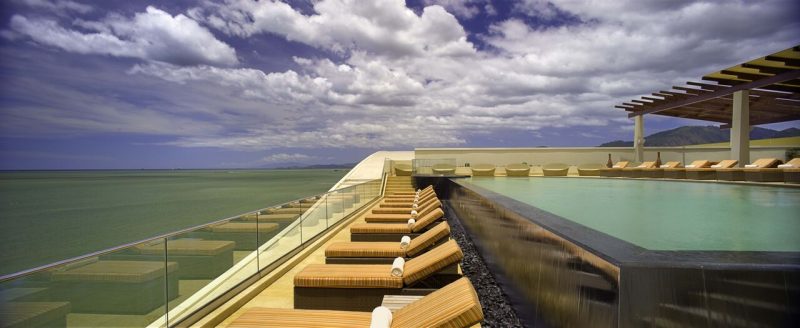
[(668, 215), (46, 216)]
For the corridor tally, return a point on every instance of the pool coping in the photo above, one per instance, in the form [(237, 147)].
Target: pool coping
[(619, 252)]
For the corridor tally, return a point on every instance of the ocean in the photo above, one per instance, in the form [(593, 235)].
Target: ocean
[(46, 216)]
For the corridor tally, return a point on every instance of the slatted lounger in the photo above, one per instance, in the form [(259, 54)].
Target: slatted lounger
[(402, 218), (737, 173), (361, 287), (455, 305), (658, 172), (402, 210), (409, 193), (406, 202), (375, 252), (408, 198), (635, 172), (771, 174), (394, 231), (680, 172), (614, 171), (709, 173)]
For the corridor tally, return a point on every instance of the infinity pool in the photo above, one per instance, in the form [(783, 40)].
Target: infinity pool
[(667, 215)]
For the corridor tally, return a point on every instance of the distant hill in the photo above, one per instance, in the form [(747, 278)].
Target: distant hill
[(695, 135)]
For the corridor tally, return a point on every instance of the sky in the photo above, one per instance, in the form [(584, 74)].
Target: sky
[(120, 84)]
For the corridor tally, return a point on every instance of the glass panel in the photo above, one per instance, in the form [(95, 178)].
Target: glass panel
[(314, 221), (112, 290), (213, 259), (286, 241)]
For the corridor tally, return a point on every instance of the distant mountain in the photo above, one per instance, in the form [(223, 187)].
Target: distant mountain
[(695, 135)]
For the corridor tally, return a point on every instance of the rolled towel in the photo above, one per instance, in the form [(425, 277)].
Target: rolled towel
[(664, 166), (405, 241), (750, 166), (381, 318), (414, 214), (690, 166), (419, 191), (786, 166), (716, 166), (397, 267), (415, 206), (411, 223), (617, 166)]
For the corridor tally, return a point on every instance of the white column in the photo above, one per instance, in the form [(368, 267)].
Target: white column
[(740, 127), (638, 138)]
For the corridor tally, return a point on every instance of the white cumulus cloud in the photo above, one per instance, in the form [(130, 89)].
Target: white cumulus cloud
[(151, 35)]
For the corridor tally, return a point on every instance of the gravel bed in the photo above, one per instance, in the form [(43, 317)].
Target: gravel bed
[(497, 311)]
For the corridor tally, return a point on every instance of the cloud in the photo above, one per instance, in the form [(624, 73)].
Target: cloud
[(153, 35), (286, 158), (391, 78), (461, 8), (382, 27), (59, 7)]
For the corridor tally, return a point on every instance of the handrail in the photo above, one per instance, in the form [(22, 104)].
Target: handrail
[(25, 272)]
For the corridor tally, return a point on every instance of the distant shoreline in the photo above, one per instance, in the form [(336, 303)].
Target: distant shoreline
[(194, 169)]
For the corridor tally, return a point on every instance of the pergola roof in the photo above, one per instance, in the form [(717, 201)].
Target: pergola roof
[(773, 81)]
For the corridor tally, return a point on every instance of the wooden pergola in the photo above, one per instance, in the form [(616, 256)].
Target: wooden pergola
[(761, 91)]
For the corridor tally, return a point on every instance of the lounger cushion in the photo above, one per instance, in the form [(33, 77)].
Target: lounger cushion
[(365, 249), (297, 318), (431, 262), (380, 228), (347, 276), (428, 238), (455, 305)]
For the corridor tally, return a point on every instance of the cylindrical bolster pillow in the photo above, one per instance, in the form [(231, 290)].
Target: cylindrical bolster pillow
[(405, 241), (397, 267), (381, 318)]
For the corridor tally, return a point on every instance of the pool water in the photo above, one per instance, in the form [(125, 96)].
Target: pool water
[(667, 215)]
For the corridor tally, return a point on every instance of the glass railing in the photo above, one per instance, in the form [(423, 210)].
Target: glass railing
[(162, 281)]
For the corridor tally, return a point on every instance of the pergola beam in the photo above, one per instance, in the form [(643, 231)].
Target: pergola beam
[(794, 74)]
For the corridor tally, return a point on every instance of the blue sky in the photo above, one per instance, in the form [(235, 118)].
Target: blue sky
[(238, 84)]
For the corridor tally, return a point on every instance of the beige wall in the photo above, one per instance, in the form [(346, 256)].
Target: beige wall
[(575, 156)]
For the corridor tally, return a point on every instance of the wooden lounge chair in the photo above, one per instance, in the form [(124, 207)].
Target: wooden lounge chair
[(680, 172), (402, 218), (737, 173), (614, 171), (409, 198), (406, 202), (402, 210), (658, 172), (555, 169), (483, 170), (635, 172), (590, 169), (771, 174), (394, 231), (374, 252), (455, 305), (709, 173), (408, 193), (518, 170), (361, 287), (443, 169)]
